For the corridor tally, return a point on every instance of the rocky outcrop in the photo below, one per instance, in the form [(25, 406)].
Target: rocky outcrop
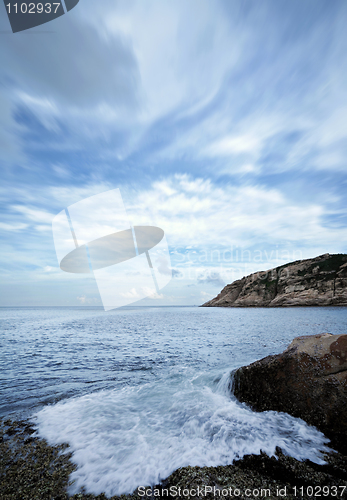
[(308, 380), (321, 281)]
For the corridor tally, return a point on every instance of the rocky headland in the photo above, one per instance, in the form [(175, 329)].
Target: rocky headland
[(308, 380), (321, 281)]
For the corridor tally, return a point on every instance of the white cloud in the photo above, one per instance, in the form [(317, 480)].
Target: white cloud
[(227, 82), (197, 216), (4, 226), (152, 294), (34, 214), (231, 90), (175, 51), (131, 294), (43, 227), (200, 213), (234, 145), (195, 212)]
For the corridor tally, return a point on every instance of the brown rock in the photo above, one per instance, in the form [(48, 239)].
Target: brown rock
[(321, 281), (308, 380)]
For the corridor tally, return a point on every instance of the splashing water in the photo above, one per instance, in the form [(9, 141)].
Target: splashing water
[(122, 439), (138, 393)]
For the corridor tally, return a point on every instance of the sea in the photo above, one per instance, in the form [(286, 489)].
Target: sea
[(138, 392)]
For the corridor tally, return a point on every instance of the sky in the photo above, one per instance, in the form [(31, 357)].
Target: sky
[(222, 122)]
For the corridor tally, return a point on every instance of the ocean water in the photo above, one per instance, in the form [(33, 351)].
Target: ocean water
[(139, 392)]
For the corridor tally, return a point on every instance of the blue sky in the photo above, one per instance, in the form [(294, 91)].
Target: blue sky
[(223, 122)]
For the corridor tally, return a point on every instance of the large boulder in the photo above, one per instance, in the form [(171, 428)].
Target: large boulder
[(308, 380)]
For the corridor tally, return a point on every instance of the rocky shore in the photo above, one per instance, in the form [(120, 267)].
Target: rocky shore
[(30, 469), (321, 281), (308, 380)]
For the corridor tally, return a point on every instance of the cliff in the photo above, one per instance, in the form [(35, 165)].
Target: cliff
[(321, 281)]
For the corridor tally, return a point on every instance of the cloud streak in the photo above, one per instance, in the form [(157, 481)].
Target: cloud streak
[(223, 123)]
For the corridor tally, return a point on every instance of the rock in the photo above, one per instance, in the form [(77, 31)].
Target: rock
[(308, 380), (321, 281)]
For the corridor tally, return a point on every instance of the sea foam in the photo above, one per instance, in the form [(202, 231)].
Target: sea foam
[(139, 435)]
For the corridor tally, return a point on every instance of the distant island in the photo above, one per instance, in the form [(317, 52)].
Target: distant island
[(321, 281)]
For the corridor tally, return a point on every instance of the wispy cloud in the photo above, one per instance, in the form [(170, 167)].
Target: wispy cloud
[(12, 227), (34, 214), (223, 123), (197, 212)]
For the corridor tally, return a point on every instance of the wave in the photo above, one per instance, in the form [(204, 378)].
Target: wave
[(139, 435)]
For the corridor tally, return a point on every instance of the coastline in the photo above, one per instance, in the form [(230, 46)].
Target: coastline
[(32, 469), (44, 473), (316, 282)]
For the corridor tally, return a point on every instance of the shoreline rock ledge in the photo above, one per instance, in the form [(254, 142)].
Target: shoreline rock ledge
[(308, 380), (321, 281)]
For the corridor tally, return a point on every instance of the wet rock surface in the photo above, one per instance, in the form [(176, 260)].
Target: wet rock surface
[(321, 281), (308, 380), (260, 476), (31, 469)]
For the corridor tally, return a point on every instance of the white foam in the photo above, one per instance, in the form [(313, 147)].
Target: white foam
[(122, 439)]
